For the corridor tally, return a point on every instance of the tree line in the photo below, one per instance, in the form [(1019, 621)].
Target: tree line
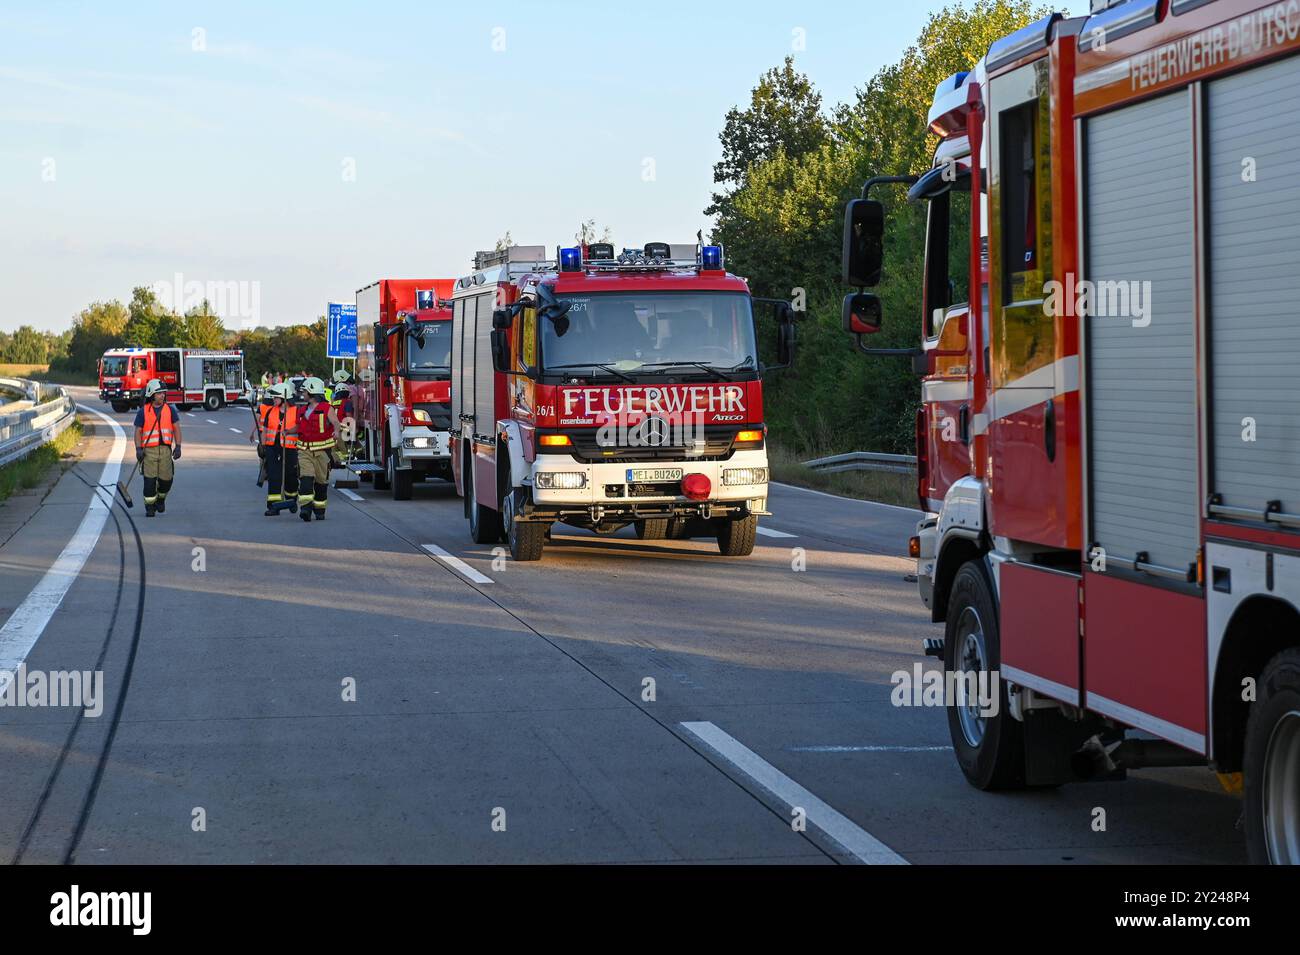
[(789, 164), (146, 322)]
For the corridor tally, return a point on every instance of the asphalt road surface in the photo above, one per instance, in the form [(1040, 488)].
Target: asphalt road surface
[(378, 688)]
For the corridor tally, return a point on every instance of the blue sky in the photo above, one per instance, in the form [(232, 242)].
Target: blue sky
[(127, 155)]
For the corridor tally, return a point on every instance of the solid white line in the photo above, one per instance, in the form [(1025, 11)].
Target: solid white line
[(854, 839), (457, 564), (352, 494), (768, 532), (841, 497), (870, 749), (29, 619)]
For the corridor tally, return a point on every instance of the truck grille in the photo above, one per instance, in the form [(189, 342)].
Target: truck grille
[(717, 441), (439, 412)]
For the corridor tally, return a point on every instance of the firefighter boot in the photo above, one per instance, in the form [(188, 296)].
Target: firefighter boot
[(163, 488), (150, 496)]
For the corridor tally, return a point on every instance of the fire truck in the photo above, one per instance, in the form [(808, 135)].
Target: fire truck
[(602, 390), (1108, 444), (402, 400), (192, 376)]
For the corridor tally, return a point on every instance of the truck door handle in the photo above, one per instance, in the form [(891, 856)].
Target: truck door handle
[(1049, 428)]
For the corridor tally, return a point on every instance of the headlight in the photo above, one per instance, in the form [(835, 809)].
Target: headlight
[(560, 480), (744, 476), (415, 443)]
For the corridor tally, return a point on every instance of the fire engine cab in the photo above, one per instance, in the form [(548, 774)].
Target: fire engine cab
[(1109, 438), (603, 390)]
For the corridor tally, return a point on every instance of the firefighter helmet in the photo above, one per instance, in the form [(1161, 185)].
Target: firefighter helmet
[(314, 386), (153, 387), (341, 376)]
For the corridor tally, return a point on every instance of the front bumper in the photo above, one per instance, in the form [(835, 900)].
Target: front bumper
[(422, 446), (606, 485)]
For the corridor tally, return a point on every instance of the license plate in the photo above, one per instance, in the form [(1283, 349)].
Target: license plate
[(653, 475)]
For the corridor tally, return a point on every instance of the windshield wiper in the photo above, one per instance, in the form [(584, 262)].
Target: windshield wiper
[(719, 374), (592, 364)]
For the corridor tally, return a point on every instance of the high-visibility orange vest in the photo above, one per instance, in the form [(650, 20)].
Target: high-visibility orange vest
[(158, 429), (314, 428), (272, 421)]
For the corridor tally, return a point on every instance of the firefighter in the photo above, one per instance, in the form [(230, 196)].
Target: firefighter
[(157, 446), (340, 377), (317, 425), (341, 402), (279, 425)]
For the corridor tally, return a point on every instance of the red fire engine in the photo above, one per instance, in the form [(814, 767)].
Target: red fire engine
[(402, 400), (602, 390), (192, 376), (1108, 446)]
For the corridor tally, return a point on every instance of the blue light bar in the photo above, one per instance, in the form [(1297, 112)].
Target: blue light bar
[(711, 258), (571, 259)]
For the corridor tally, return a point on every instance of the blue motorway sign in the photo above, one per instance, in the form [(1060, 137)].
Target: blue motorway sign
[(341, 341)]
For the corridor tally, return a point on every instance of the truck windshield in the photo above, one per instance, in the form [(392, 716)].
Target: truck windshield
[(652, 333), (115, 366), (434, 356)]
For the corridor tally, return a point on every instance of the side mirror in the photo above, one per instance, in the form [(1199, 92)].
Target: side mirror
[(862, 313), (864, 251), (502, 318), (500, 350), (785, 343)]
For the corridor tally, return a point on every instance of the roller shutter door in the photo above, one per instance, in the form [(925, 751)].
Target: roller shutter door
[(1253, 205), (1141, 381)]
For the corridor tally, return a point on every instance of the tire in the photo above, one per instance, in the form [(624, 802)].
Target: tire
[(1272, 764), (736, 537), (381, 477), (400, 480), (484, 522), (121, 407), (212, 401), (652, 528), (989, 749), (524, 539)]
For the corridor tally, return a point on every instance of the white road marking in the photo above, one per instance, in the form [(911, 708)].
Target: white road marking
[(29, 619), (869, 749), (352, 494), (854, 839), (455, 563), (190, 414), (210, 421), (841, 497), (768, 532), (236, 430)]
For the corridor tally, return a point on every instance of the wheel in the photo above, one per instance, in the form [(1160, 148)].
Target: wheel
[(525, 539), (400, 480), (652, 528), (677, 529), (121, 406), (366, 477), (1272, 764), (484, 522), (990, 749), (736, 537), (381, 477), (212, 401)]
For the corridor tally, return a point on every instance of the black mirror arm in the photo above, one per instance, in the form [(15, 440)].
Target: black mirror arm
[(887, 180)]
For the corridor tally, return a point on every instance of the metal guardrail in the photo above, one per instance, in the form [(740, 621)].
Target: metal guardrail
[(22, 432), (865, 461)]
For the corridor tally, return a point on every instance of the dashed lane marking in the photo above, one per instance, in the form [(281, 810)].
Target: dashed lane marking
[(768, 532), (456, 564), (349, 494), (837, 827)]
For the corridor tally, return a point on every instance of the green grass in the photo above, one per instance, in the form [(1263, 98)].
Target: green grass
[(31, 470), (788, 468)]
